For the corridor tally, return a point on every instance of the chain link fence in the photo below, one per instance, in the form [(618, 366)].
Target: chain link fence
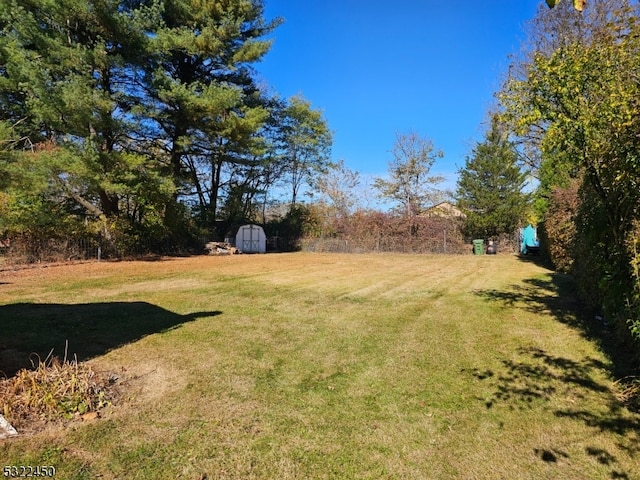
[(442, 242), (25, 249)]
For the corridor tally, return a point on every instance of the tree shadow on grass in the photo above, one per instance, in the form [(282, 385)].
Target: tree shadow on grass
[(556, 295), (83, 331), (534, 376)]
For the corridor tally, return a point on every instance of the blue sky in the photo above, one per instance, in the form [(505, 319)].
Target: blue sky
[(378, 67)]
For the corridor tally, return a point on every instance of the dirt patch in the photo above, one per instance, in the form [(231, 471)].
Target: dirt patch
[(151, 382)]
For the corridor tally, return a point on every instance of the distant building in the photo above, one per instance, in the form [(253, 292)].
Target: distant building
[(444, 210)]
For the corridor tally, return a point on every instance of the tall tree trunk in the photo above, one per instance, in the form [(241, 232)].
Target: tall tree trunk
[(216, 174)]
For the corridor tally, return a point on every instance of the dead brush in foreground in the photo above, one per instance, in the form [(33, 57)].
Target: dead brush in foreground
[(54, 390), (629, 393)]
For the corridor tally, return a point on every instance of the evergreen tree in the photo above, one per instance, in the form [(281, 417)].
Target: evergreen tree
[(135, 103), (124, 112), (200, 104), (489, 188), (66, 85)]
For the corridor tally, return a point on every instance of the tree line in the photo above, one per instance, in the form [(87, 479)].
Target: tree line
[(570, 105), (144, 117)]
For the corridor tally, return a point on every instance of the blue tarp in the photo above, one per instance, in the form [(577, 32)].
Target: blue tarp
[(529, 239)]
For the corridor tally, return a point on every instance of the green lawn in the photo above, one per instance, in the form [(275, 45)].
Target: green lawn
[(323, 366)]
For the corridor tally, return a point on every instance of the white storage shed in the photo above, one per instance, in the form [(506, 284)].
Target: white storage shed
[(251, 239)]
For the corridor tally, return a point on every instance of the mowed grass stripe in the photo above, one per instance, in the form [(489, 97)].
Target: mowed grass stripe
[(341, 366)]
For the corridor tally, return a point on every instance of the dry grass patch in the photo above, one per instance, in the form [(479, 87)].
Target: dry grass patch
[(54, 391)]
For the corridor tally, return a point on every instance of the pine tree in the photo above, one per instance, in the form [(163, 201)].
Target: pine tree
[(67, 85), (490, 187), (135, 102), (200, 103)]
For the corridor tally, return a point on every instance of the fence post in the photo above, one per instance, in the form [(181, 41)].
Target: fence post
[(99, 246)]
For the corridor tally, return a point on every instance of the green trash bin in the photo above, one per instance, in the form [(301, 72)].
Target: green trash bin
[(478, 247)]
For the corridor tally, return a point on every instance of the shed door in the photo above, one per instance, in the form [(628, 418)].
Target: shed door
[(250, 239)]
